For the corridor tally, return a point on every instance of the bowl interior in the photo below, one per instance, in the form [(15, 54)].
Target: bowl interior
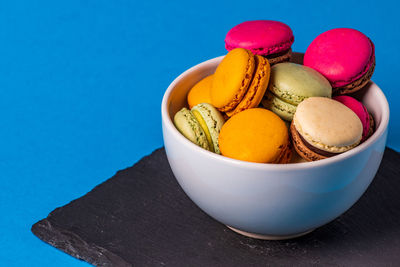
[(178, 95)]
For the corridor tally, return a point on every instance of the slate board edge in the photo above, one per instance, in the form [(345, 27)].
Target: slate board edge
[(75, 246)]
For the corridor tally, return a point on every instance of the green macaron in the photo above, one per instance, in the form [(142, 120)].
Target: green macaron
[(201, 125), (290, 84)]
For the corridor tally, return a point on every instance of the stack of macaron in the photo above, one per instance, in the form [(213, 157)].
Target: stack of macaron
[(257, 105), (239, 82)]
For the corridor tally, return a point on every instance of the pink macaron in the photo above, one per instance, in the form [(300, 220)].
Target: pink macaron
[(361, 111), (346, 57), (271, 39)]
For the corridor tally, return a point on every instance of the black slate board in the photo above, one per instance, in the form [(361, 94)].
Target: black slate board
[(141, 217)]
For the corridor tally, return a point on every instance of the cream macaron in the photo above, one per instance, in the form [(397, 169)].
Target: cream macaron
[(323, 127)]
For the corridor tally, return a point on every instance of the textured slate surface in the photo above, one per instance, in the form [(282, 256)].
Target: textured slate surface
[(141, 217)]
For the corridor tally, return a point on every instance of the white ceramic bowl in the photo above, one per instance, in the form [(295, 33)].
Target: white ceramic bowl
[(271, 201)]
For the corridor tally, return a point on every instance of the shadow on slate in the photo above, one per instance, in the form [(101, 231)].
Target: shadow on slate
[(142, 217)]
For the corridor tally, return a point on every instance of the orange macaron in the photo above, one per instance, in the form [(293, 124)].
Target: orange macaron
[(255, 135), (200, 92), (239, 82)]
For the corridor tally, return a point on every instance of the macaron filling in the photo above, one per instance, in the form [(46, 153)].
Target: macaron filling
[(205, 129), (211, 120), (302, 150), (285, 96), (357, 84), (315, 149), (278, 54), (282, 108), (271, 52), (322, 146)]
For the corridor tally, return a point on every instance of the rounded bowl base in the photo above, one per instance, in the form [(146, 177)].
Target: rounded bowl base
[(269, 237)]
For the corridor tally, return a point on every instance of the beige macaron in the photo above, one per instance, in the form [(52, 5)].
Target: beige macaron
[(323, 127)]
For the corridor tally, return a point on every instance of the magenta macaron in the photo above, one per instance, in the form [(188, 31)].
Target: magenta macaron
[(361, 111), (346, 57), (268, 38)]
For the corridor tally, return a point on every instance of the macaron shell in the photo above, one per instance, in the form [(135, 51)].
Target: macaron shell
[(257, 88), (200, 92), (262, 37), (256, 135), (187, 124), (342, 55), (214, 121), (279, 107), (294, 82), (357, 84), (328, 124), (231, 79), (360, 110)]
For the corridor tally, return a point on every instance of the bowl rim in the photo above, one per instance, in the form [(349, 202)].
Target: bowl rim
[(169, 126)]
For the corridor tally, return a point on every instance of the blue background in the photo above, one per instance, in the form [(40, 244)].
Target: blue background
[(81, 84)]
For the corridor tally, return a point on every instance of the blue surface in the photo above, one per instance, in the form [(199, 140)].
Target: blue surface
[(82, 81)]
